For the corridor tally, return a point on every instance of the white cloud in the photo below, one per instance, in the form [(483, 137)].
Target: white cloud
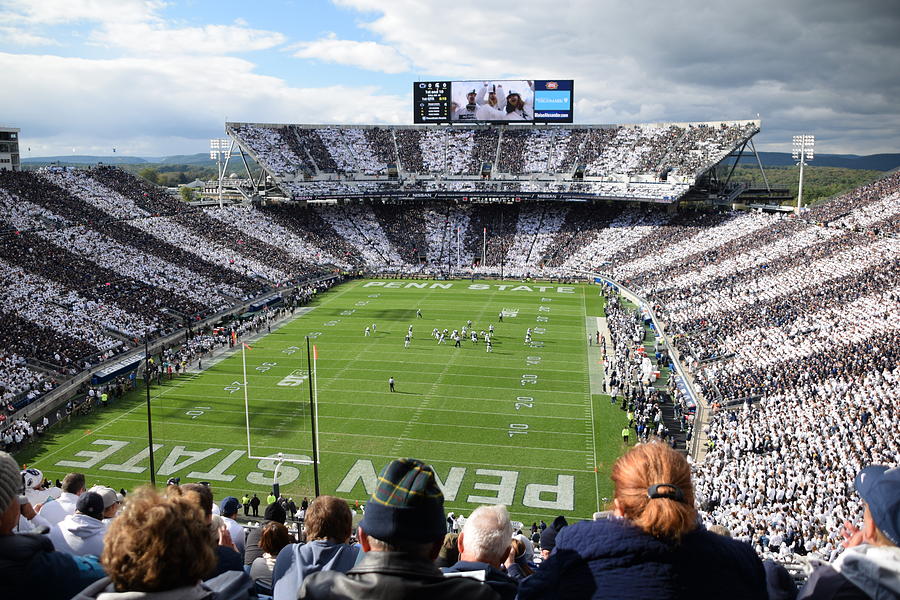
[(138, 27), (142, 103), (18, 37), (141, 38), (365, 55), (818, 66), (54, 12)]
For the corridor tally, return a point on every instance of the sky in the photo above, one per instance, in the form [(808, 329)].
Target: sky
[(157, 78)]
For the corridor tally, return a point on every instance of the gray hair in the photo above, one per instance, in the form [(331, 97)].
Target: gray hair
[(488, 533)]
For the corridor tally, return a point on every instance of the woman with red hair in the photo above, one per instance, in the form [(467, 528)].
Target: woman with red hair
[(654, 547)]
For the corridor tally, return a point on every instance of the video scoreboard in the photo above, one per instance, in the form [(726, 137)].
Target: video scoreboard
[(497, 101)]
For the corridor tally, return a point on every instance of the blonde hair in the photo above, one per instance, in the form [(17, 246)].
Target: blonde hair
[(158, 543), (651, 464)]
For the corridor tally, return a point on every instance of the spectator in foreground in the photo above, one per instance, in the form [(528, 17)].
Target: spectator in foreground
[(329, 523), (81, 533), (655, 550), (401, 533), (112, 501), (159, 547), (229, 510), (227, 557), (273, 538), (29, 567), (870, 567), (517, 564), (55, 511), (449, 554), (484, 544), (548, 535), (274, 513)]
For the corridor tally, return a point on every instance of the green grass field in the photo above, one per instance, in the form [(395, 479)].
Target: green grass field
[(519, 425)]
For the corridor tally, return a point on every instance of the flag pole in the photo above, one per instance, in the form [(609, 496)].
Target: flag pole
[(315, 449)]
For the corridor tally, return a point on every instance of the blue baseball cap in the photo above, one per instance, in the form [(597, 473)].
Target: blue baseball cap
[(879, 486), (229, 505)]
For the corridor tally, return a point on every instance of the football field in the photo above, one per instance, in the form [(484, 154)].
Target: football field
[(518, 425)]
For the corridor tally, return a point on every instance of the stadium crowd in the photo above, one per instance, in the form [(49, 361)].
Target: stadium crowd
[(632, 161), (65, 540), (790, 320)]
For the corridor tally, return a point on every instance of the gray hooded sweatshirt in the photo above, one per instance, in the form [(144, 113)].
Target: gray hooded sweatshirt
[(873, 570), (78, 534)]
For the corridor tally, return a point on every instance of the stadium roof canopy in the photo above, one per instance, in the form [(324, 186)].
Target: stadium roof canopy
[(658, 162)]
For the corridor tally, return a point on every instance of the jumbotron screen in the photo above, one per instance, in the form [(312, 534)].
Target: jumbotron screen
[(498, 101)]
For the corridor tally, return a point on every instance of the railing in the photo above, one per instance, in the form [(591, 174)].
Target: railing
[(702, 412)]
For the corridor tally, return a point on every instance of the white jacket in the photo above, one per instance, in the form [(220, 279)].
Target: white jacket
[(57, 510), (78, 534)]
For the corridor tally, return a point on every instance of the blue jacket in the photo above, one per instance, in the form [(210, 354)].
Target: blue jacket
[(296, 561), (614, 559)]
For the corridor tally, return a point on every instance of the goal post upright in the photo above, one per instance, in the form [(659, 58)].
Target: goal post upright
[(246, 401)]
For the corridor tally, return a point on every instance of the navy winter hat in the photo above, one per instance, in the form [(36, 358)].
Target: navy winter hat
[(879, 486), (548, 536), (407, 505), (229, 505), (90, 504), (275, 512)]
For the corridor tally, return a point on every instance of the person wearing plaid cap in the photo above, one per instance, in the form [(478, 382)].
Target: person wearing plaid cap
[(401, 534)]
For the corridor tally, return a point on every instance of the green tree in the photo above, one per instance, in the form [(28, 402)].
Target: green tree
[(187, 194), (150, 174)]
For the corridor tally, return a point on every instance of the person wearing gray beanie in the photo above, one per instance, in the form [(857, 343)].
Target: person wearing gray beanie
[(29, 567), (10, 480)]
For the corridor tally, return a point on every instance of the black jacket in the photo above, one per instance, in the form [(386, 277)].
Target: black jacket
[(499, 581), (393, 576)]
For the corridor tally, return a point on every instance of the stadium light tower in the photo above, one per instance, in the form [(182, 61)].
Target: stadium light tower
[(802, 152), (218, 149)]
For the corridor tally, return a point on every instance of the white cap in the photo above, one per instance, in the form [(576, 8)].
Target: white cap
[(109, 495)]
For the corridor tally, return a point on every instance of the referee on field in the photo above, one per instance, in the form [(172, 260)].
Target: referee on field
[(391, 383)]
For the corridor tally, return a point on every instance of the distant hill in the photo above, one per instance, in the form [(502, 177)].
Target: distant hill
[(872, 162), (202, 160), (76, 159)]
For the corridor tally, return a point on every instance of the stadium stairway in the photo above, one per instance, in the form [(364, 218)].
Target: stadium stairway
[(670, 419)]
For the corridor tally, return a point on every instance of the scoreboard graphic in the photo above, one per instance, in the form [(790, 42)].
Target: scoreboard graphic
[(494, 101)]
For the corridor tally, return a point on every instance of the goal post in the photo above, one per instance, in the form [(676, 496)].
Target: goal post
[(281, 457)]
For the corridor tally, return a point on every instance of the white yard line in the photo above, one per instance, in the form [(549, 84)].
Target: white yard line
[(341, 418), (364, 405), (590, 400), (106, 424)]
